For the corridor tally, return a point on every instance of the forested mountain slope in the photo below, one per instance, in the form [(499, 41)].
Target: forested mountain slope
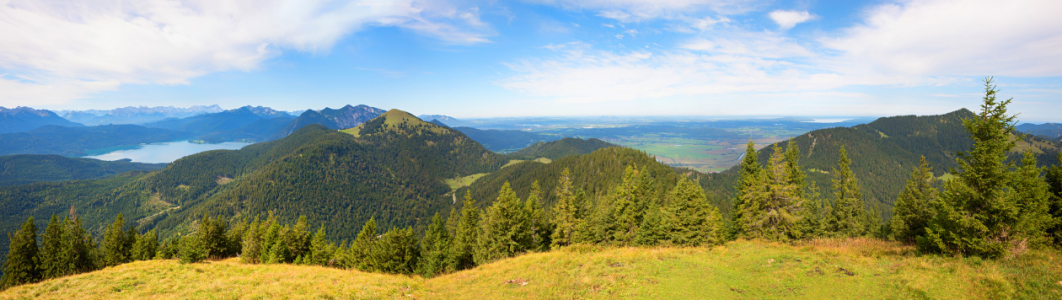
[(345, 117), (883, 153), (393, 170), (25, 119), (74, 141), (30, 168), (560, 148)]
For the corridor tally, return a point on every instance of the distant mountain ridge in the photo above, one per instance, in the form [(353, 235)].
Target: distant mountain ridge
[(346, 117), (23, 118), (1052, 131), (135, 115)]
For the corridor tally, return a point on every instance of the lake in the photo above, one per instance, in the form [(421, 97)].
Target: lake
[(160, 152)]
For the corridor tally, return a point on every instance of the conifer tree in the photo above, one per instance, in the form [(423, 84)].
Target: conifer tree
[(21, 264), (395, 252), (794, 174), (192, 249), (981, 211), (172, 248), (51, 262), (775, 199), (234, 238), (320, 249), (504, 229), (77, 256), (299, 238), (811, 223), (452, 220), (628, 207), (278, 253), (691, 220), (435, 249), (146, 246), (912, 211), (1054, 181), (466, 237), (565, 211), (750, 185), (1033, 203), (251, 250), (114, 244), (270, 238), (651, 232), (848, 218), (536, 219), (212, 234), (363, 245)]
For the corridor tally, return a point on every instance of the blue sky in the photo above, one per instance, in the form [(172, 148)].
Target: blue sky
[(537, 57)]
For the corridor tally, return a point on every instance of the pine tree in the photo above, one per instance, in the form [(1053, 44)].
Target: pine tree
[(51, 263), (794, 175), (912, 212), (362, 247), (212, 234), (114, 246), (691, 220), (270, 238), (21, 264), (504, 230), (772, 204), (651, 232), (299, 238), (278, 253), (146, 246), (192, 249), (466, 237), (750, 186), (1033, 203), (565, 211), (435, 248), (849, 214), (234, 238), (78, 245), (811, 222), (981, 212)]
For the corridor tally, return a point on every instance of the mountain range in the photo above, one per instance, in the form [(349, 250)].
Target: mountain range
[(135, 115), (25, 119)]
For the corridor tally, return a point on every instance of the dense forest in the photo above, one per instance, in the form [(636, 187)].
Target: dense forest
[(30, 168), (74, 141)]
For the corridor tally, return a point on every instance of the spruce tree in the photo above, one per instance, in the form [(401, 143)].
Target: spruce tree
[(773, 205), (811, 223), (251, 249), (146, 245), (691, 220), (299, 238), (651, 232), (628, 208), (504, 229), (114, 247), (51, 263), (363, 245), (466, 237), (320, 249), (234, 238), (1033, 201), (270, 238), (192, 249), (78, 246), (794, 174), (912, 211), (848, 218), (1054, 181), (435, 249), (750, 186), (536, 220), (981, 211), (395, 252), (565, 211), (21, 264)]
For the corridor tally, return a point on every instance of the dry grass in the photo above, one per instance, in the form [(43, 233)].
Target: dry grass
[(817, 269)]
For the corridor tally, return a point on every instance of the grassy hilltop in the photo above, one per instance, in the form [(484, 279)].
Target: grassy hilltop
[(853, 269)]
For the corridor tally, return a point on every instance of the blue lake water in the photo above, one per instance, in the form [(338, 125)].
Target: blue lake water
[(162, 152)]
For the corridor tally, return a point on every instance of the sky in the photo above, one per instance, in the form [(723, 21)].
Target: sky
[(475, 59)]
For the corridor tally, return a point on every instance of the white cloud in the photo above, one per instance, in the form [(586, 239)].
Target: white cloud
[(76, 46), (956, 38), (639, 10), (786, 19)]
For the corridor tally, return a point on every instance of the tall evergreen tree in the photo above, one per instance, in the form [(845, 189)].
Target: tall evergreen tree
[(691, 220), (21, 264), (504, 229), (146, 246), (750, 185), (651, 232), (466, 237), (565, 211), (775, 199), (1054, 181), (78, 246), (435, 249), (114, 247), (912, 211), (628, 207), (320, 249), (395, 252), (981, 212), (794, 174), (848, 218), (251, 249), (363, 245), (1033, 203), (536, 219), (192, 249), (811, 223), (51, 263)]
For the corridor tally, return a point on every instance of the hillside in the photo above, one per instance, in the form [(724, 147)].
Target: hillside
[(30, 168), (1051, 131), (882, 154), (505, 140), (343, 118), (560, 148), (395, 171), (821, 269), (75, 141)]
